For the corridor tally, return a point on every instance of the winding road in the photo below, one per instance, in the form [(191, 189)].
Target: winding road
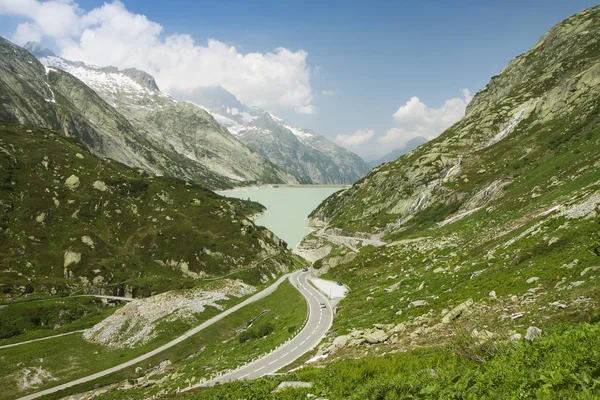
[(319, 322), (317, 325)]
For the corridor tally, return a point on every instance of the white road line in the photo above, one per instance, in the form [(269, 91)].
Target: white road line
[(260, 368)]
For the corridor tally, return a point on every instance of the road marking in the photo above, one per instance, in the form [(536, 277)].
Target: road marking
[(243, 376), (274, 361), (260, 368), (294, 348)]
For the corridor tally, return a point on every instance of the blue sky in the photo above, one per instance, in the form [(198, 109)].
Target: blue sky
[(374, 55)]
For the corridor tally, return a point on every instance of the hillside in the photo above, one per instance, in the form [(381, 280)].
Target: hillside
[(301, 152), (72, 222), (36, 95), (185, 131), (485, 234)]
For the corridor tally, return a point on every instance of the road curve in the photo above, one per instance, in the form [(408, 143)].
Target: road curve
[(191, 332), (317, 325)]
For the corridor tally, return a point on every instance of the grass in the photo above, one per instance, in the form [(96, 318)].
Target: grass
[(214, 349), (148, 234), (562, 364), (33, 320)]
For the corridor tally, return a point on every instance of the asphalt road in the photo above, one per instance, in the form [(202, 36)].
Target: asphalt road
[(319, 322), (257, 296)]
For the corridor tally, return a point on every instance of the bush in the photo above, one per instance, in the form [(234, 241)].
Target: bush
[(256, 333)]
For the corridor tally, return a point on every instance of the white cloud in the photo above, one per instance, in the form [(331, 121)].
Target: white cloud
[(112, 35), (415, 118), (328, 93), (357, 138)]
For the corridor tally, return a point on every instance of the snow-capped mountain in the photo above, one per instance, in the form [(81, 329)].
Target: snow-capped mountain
[(301, 152), (195, 143)]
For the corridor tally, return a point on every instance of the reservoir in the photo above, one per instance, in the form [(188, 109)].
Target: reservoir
[(287, 207)]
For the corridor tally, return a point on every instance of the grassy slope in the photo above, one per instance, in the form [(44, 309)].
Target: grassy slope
[(548, 167), (561, 365), (214, 349), (143, 229)]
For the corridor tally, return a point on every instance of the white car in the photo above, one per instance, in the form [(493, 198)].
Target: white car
[(323, 305)]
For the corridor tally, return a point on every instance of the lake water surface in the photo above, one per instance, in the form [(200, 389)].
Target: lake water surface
[(287, 208)]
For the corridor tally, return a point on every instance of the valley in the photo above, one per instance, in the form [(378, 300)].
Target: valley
[(190, 244)]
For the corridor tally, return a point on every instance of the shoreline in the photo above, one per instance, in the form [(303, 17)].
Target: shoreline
[(253, 187)]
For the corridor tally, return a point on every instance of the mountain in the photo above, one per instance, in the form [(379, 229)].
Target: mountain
[(394, 154), (301, 152), (485, 237), (74, 222), (149, 130), (183, 128)]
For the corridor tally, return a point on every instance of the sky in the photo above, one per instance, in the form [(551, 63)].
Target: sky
[(369, 75)]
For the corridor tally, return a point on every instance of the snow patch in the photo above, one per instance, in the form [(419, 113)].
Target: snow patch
[(328, 288), (301, 133)]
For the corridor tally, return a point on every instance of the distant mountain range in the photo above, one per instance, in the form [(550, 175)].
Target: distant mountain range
[(301, 152), (394, 154), (180, 139), (183, 127)]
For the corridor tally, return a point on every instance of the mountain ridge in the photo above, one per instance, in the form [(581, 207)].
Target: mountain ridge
[(302, 152)]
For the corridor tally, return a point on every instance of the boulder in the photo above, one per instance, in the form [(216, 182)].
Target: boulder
[(532, 279), (515, 337), (341, 341), (533, 333), (417, 303), (88, 240), (71, 258), (376, 336), (101, 186), (457, 311), (72, 182), (401, 327)]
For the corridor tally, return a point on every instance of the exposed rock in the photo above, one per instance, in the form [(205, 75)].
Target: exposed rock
[(376, 336), (588, 269), (417, 303), (135, 323), (40, 218), (100, 185), (79, 155), (294, 384), (532, 279), (88, 240), (457, 311), (533, 333), (492, 294), (515, 337), (71, 258), (72, 182), (401, 327)]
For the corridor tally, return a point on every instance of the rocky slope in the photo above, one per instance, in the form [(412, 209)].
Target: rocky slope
[(72, 222), (538, 108), (182, 130), (301, 152), (490, 229)]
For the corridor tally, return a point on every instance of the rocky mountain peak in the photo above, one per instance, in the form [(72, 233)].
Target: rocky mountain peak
[(38, 50)]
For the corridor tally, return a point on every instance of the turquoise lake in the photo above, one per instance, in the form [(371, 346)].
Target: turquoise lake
[(287, 207)]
